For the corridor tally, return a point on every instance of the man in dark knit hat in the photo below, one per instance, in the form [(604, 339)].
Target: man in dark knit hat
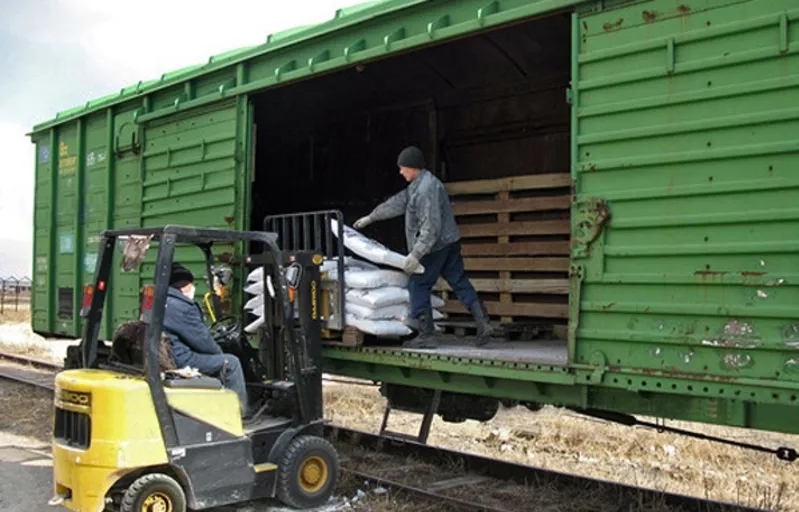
[(192, 343), (433, 241)]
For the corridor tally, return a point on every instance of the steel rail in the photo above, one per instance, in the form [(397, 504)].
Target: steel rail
[(424, 493), (520, 473), (30, 361)]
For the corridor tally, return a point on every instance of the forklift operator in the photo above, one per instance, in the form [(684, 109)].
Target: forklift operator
[(192, 343), (433, 241)]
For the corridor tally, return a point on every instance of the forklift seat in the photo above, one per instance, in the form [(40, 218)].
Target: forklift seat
[(202, 382)]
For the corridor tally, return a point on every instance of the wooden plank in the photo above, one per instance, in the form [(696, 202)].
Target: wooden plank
[(515, 309), (504, 218), (552, 286), (541, 227), (526, 182), (518, 264), (516, 249), (352, 337), (527, 204)]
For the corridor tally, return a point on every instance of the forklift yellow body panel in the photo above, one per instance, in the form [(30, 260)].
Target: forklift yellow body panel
[(106, 427)]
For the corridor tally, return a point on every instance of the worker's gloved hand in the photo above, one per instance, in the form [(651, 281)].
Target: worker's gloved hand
[(363, 222), (411, 264)]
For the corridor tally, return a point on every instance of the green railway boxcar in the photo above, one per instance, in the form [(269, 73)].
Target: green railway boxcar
[(625, 174)]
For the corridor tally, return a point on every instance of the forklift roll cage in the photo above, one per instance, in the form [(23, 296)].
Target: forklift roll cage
[(167, 238)]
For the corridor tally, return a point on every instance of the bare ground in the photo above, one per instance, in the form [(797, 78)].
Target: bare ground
[(26, 411), (562, 441)]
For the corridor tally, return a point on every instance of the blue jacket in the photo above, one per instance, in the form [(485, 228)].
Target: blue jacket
[(186, 329)]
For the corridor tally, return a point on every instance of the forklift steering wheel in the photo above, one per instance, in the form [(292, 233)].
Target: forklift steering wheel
[(227, 328)]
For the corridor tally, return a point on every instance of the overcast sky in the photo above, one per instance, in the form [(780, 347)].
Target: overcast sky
[(57, 54)]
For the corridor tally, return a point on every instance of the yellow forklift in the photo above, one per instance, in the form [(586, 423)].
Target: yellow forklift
[(130, 436)]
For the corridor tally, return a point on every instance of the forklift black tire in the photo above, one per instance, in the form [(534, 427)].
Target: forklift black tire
[(307, 473), (154, 492)]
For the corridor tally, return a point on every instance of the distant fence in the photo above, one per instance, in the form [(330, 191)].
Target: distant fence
[(15, 293)]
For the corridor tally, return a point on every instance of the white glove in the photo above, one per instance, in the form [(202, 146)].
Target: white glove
[(362, 222), (410, 264)]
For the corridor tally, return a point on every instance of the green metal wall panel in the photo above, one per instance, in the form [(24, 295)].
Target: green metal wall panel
[(66, 246), (190, 167), (43, 211), (686, 126), (126, 184), (94, 217)]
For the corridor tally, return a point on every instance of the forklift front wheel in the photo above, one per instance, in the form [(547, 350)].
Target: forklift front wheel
[(308, 472), (155, 492)]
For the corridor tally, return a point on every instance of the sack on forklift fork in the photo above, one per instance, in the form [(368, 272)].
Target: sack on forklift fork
[(386, 296), (393, 312), (364, 279)]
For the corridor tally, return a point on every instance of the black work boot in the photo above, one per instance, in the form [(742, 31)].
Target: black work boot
[(426, 333), (484, 330)]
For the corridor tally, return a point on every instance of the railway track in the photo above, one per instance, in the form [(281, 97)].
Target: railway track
[(28, 370), (438, 476)]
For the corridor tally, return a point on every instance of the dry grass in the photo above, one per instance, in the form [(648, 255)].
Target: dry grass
[(28, 349), (563, 441), (11, 316)]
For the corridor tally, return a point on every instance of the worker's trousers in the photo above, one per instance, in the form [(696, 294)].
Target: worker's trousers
[(211, 364), (447, 263)]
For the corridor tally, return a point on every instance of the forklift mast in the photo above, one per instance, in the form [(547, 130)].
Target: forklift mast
[(306, 240)]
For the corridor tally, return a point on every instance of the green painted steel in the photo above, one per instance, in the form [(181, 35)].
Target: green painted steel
[(707, 402), (694, 158), (683, 282), (111, 171), (369, 31)]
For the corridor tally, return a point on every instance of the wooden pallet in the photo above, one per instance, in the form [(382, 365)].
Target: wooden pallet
[(352, 337), (515, 243)]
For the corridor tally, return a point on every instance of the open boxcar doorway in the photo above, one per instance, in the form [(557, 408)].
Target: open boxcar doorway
[(490, 112)]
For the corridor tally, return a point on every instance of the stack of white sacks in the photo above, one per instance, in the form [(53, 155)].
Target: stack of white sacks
[(377, 300)]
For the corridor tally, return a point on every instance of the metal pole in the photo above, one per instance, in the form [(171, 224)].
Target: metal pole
[(2, 296), (16, 297)]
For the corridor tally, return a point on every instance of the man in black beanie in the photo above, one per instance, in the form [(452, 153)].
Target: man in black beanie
[(192, 343), (433, 242)]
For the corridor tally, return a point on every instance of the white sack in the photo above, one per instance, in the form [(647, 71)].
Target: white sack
[(394, 312), (350, 263), (370, 249), (386, 296), (256, 275), (255, 302), (254, 326), (256, 288), (378, 297), (379, 327), (363, 279)]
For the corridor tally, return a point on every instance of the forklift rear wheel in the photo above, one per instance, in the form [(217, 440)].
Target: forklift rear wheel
[(308, 472), (155, 492)]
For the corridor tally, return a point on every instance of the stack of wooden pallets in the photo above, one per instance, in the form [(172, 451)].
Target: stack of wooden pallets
[(515, 238)]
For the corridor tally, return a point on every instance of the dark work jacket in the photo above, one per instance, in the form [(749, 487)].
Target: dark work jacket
[(186, 329)]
